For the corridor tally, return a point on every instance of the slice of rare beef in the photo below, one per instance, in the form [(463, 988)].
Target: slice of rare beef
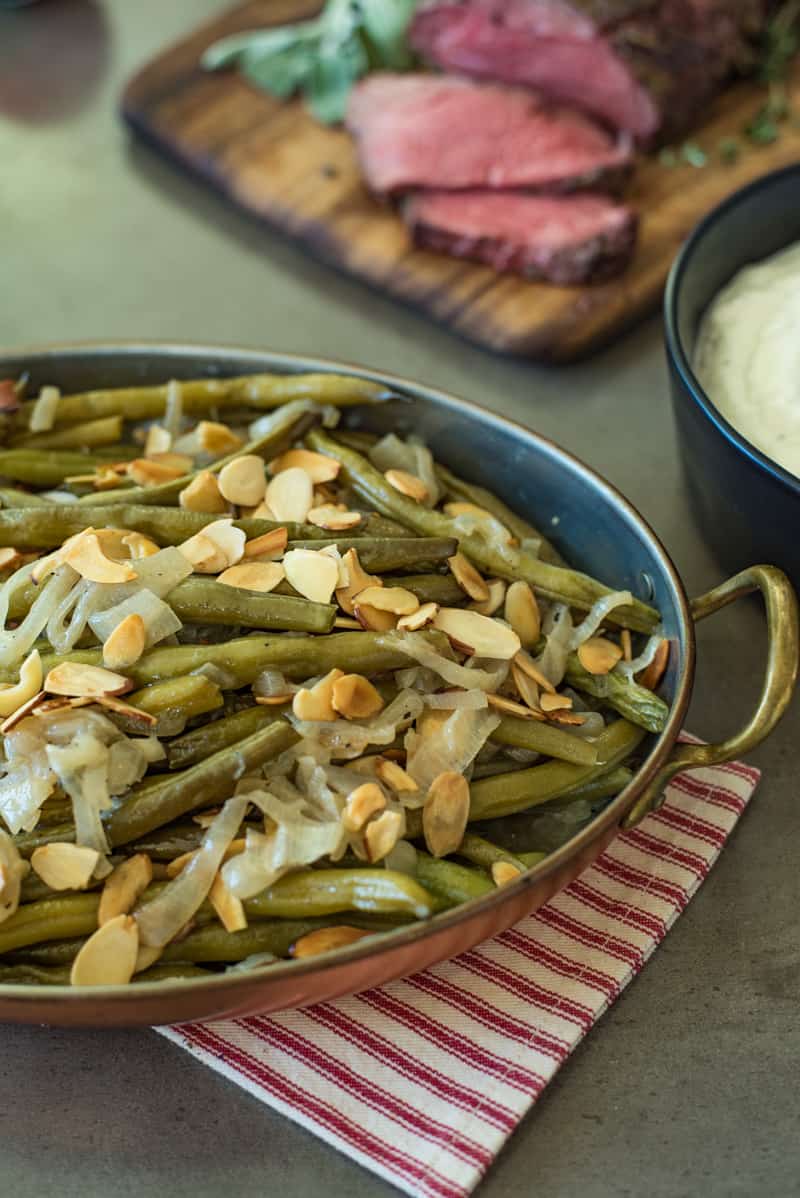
[(645, 66), (446, 132), (564, 239)]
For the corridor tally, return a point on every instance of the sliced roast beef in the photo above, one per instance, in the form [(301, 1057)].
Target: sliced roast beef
[(645, 66), (446, 132), (564, 239)]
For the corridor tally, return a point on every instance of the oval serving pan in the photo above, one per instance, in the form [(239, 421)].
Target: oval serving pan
[(596, 528)]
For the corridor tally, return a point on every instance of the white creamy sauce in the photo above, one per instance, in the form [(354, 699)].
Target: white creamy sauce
[(748, 355)]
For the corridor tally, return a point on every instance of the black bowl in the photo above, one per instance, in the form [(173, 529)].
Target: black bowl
[(748, 507)]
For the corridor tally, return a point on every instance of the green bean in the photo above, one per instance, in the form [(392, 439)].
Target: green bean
[(26, 842), (105, 431), (636, 703), (173, 702), (529, 860), (34, 975), (165, 844), (213, 943), (485, 853), (431, 588), (44, 469), (200, 396), (152, 804), (51, 919), (219, 734), (521, 733), (171, 971), (379, 554), (450, 882), (204, 601), (604, 786), (49, 952), (11, 497), (554, 582), (297, 657), (325, 891), (509, 793)]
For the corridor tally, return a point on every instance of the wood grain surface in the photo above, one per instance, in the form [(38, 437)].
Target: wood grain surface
[(274, 160)]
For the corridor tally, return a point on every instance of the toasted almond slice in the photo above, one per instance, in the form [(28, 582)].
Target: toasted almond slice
[(151, 472), (362, 803), (65, 866), (204, 818), (357, 580), (9, 558), (228, 907), (431, 721), (318, 468), (382, 834), (497, 594), (407, 484), (178, 864), (468, 577), (477, 635), (158, 440), (522, 613), (346, 622), (652, 674), (494, 527), (313, 573), (29, 684), (445, 813), (333, 518), (510, 707), (625, 642), (253, 576), (549, 702), (24, 710), (374, 620), (290, 495), (525, 662), (395, 776), (139, 546), (147, 955), (396, 600), (365, 765), (355, 697), (325, 940), (217, 438), (504, 873), (243, 480), (204, 554), (203, 495), (421, 618), (73, 678), (274, 700), (108, 958), (316, 703), (87, 557), (228, 539), (527, 689), (270, 545), (62, 703), (598, 655), (563, 716), (326, 497), (261, 511), (124, 886), (126, 643), (143, 719)]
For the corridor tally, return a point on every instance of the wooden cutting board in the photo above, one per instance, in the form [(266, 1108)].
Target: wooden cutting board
[(275, 161)]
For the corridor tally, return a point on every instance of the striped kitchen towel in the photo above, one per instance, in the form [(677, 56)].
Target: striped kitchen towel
[(424, 1079)]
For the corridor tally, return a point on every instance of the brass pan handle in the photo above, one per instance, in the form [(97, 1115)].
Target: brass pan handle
[(780, 676)]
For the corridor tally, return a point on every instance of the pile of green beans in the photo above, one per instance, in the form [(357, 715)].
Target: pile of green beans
[(197, 693)]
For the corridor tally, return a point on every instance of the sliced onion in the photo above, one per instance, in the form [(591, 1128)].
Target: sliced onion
[(159, 619), (17, 582), (402, 858), (596, 615), (163, 917), (522, 756), (557, 627), (68, 621), (127, 765), (463, 676), (173, 409), (224, 679), (454, 747), (82, 769), (150, 747), (22, 794), (458, 700), (59, 496), (15, 645), (43, 413), (270, 683), (350, 738), (281, 418), (13, 871), (267, 858), (254, 961), (630, 668)]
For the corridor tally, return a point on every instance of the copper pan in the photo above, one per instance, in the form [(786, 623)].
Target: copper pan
[(596, 528)]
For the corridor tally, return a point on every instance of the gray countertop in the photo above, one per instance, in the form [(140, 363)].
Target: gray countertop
[(689, 1084)]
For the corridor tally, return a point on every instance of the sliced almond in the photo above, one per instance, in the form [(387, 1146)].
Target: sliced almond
[(29, 685), (652, 674), (22, 711), (421, 618), (253, 576), (510, 707), (65, 866), (243, 480), (73, 678), (325, 940), (270, 545), (407, 484), (346, 622), (625, 642), (477, 635), (62, 703), (151, 472), (313, 573), (126, 644), (124, 886), (549, 702), (316, 702), (204, 554), (523, 661), (382, 834), (357, 581), (108, 958), (290, 495), (373, 619), (229, 908), (262, 511), (318, 468), (522, 613), (274, 700), (362, 803), (445, 813), (504, 873), (598, 655), (217, 439), (9, 558), (365, 765), (203, 495), (334, 518), (494, 528), (527, 689), (395, 776), (139, 546), (432, 720), (468, 577), (396, 600), (87, 557), (497, 594), (563, 716), (158, 440), (143, 719), (355, 697), (205, 818)]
